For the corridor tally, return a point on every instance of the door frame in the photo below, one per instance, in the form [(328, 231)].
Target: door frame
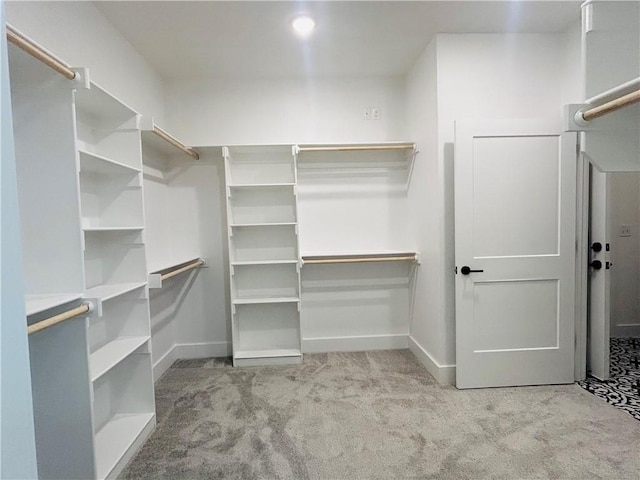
[(582, 258)]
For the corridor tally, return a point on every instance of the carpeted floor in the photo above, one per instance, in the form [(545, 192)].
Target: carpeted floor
[(622, 390), (375, 415)]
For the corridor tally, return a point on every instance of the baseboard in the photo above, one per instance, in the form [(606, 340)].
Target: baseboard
[(624, 331), (444, 374), (164, 363), (202, 350), (188, 351), (354, 344)]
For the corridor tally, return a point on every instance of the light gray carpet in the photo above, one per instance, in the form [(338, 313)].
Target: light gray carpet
[(375, 415)]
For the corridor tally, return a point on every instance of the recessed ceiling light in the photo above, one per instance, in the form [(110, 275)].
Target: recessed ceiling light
[(303, 26)]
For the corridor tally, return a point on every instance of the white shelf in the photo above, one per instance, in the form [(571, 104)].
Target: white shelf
[(114, 439), (107, 292), (96, 103), (276, 224), (258, 300), (262, 185), (267, 353), (264, 262), (112, 229), (41, 303), (93, 163), (107, 357)]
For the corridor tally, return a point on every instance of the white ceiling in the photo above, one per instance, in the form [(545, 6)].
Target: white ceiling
[(356, 38)]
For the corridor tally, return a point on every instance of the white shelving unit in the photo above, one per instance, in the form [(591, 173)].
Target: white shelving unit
[(123, 412), (263, 244), (82, 219), (48, 201), (112, 213)]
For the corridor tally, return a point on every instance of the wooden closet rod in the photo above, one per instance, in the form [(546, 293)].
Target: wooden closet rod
[(408, 257), (61, 317), (23, 43), (349, 148), (175, 142), (610, 106), (197, 263)]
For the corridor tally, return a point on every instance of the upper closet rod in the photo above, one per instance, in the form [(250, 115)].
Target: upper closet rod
[(615, 99), (61, 317), (23, 43), (195, 264), (175, 142), (347, 148)]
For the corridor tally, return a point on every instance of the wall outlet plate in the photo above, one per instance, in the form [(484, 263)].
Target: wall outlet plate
[(624, 231)]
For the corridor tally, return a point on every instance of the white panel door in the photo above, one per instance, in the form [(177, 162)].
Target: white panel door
[(598, 338), (515, 184)]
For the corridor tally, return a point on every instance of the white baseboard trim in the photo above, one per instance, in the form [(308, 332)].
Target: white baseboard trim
[(202, 350), (444, 374), (189, 351), (627, 330), (164, 363), (354, 344)]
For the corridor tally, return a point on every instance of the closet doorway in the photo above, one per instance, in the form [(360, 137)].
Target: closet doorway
[(614, 275)]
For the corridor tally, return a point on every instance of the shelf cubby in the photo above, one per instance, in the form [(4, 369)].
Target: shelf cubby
[(267, 333), (262, 205), (260, 165), (114, 263), (265, 282), (110, 194), (124, 411), (121, 329), (264, 243), (107, 127)]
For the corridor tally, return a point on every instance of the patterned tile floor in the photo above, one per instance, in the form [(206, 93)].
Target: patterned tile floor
[(622, 390)]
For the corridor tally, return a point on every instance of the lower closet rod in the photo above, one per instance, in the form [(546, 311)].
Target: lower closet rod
[(25, 44), (61, 317), (186, 268), (411, 258)]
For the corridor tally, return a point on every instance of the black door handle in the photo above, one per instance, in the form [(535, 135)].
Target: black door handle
[(466, 270), (596, 264)]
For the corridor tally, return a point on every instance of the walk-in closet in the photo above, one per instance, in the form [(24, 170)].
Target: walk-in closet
[(301, 240)]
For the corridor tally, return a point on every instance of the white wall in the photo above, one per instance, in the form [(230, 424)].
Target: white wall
[(17, 435), (612, 56), (625, 255), (184, 220), (425, 198), (213, 111), (80, 35), (478, 76)]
